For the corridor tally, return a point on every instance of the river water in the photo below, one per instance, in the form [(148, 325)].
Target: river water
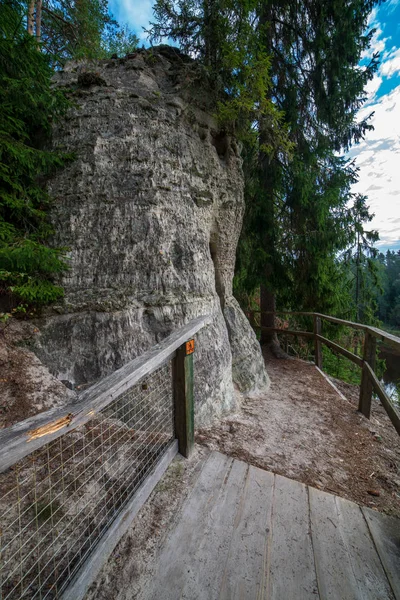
[(392, 373)]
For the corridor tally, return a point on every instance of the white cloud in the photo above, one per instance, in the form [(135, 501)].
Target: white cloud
[(373, 86), (378, 42), (137, 14), (391, 5), (391, 64), (378, 158)]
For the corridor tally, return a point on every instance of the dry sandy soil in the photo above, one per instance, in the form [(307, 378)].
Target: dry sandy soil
[(303, 429), (26, 385)]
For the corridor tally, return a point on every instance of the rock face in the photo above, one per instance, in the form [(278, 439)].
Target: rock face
[(151, 211)]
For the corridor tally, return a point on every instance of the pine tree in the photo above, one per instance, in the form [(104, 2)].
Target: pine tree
[(220, 34), (80, 29), (28, 107), (296, 215), (389, 301), (315, 49)]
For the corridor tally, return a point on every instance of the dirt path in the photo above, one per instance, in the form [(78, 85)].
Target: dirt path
[(305, 430), (302, 429)]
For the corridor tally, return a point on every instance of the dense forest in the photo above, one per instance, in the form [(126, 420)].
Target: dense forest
[(35, 39), (288, 81), (389, 300)]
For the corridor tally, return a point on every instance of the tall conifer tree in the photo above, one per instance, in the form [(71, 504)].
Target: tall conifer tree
[(297, 217)]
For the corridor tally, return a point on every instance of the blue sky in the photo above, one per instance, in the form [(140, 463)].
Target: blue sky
[(378, 156), (136, 13)]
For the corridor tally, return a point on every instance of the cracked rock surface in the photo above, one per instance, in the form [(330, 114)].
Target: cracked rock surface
[(151, 211)]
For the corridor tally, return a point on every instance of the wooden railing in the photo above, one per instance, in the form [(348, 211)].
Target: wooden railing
[(73, 478), (369, 379)]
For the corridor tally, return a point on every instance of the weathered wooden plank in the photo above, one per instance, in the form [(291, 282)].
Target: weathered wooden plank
[(342, 321), (177, 555), (245, 572), (292, 567), (91, 568), (388, 338), (307, 334), (226, 547), (353, 357), (205, 572), (369, 356), (283, 312), (184, 400), (367, 567), (385, 531), (335, 577), (384, 398), (17, 441)]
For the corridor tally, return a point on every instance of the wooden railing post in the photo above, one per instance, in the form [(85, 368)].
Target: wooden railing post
[(317, 343), (183, 398), (369, 356)]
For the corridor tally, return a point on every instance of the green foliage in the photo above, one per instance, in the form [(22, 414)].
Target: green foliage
[(287, 76), (119, 41), (361, 270), (389, 301), (83, 29), (221, 35), (73, 30), (340, 367), (297, 218), (29, 106)]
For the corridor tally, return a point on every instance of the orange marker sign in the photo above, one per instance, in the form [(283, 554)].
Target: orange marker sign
[(189, 347)]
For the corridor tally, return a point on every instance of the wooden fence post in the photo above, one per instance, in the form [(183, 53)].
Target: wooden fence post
[(317, 343), (183, 398), (369, 356)]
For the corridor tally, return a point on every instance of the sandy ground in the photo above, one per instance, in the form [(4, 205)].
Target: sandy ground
[(26, 385), (303, 429)]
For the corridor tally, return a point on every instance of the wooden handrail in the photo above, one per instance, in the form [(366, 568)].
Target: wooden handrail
[(384, 398), (388, 338), (350, 355), (24, 437), (369, 380), (288, 331)]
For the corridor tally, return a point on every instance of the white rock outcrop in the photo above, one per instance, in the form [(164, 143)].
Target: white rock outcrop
[(151, 211)]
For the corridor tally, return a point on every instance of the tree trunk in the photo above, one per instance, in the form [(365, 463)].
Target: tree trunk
[(268, 181), (270, 339), (38, 20), (31, 11), (267, 304), (358, 279)]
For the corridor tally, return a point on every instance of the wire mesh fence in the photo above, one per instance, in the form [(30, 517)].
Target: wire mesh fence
[(57, 502)]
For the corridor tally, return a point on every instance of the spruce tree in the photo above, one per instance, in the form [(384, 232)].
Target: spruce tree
[(297, 217), (316, 48), (28, 106), (80, 29)]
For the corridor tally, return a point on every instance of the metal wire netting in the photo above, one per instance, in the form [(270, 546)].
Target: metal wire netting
[(57, 502)]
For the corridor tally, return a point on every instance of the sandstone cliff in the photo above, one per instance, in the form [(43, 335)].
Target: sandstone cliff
[(151, 211)]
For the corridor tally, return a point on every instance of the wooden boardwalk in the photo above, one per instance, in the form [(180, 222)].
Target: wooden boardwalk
[(248, 534)]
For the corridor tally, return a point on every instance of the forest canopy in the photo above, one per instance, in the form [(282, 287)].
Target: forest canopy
[(35, 39), (303, 242), (288, 81)]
